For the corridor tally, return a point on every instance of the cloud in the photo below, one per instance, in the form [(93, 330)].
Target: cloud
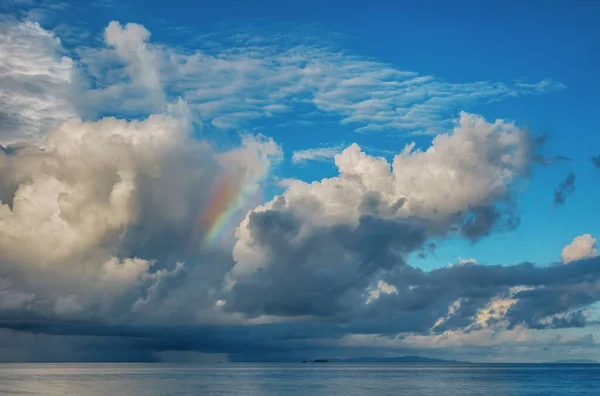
[(142, 63), (336, 250), (482, 307), (257, 77), (94, 225), (113, 210), (463, 261), (317, 247), (226, 87), (67, 305), (482, 345), (36, 82), (109, 208), (582, 246), (325, 154), (316, 154), (11, 299), (381, 288), (118, 238), (471, 297), (565, 188)]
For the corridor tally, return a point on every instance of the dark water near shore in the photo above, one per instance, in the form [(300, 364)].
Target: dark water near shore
[(298, 379)]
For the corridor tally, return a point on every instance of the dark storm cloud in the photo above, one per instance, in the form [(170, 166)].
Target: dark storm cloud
[(479, 222), (325, 274), (565, 188), (558, 296), (241, 343), (557, 290)]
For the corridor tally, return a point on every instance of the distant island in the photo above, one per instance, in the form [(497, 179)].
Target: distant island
[(398, 359), (576, 361)]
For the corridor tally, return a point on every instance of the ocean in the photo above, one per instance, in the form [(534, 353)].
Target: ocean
[(298, 379)]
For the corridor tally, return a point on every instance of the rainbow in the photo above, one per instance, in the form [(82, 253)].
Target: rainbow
[(227, 199)]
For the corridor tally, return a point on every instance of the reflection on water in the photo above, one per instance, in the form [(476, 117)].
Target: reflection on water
[(297, 379)]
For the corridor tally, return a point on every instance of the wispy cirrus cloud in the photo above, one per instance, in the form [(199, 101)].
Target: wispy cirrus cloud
[(251, 77), (237, 84), (36, 82), (327, 153), (317, 154)]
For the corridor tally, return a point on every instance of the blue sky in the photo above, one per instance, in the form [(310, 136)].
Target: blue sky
[(267, 94)]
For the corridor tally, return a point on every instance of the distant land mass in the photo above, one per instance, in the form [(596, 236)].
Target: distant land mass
[(398, 359), (576, 361)]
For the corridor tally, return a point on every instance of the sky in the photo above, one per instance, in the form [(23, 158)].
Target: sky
[(280, 181)]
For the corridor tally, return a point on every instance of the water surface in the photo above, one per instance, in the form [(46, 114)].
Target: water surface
[(297, 379)]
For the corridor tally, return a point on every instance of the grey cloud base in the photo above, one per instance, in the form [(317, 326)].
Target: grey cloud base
[(413, 310)]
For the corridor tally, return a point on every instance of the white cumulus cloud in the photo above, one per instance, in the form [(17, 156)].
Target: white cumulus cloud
[(341, 231), (80, 219), (582, 246)]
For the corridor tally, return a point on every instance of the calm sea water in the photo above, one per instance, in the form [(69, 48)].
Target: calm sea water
[(297, 379)]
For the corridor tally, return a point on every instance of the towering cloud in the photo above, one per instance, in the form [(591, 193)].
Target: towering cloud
[(105, 210), (317, 247)]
